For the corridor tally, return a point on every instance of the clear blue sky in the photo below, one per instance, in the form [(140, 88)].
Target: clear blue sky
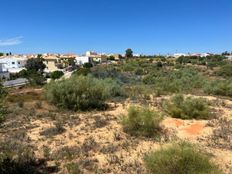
[(146, 26)]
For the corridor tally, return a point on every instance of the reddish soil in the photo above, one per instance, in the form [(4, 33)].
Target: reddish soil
[(194, 129)]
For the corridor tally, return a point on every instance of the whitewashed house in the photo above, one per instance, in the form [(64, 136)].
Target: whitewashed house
[(81, 60), (13, 64)]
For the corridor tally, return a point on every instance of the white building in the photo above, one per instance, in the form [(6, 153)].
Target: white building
[(3, 74), (91, 53), (80, 60), (229, 57), (177, 55), (13, 64)]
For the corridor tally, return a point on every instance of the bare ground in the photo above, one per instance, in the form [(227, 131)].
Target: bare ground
[(96, 141)]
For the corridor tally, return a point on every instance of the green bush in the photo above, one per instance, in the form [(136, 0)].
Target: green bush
[(56, 74), (103, 72), (225, 71), (174, 81), (188, 108), (82, 71), (87, 65), (82, 92), (219, 87), (142, 122), (181, 158)]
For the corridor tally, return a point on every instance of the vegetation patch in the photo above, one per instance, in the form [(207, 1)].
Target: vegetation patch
[(173, 81), (225, 71), (57, 74), (180, 158), (142, 121), (219, 87), (82, 92), (188, 108), (73, 168)]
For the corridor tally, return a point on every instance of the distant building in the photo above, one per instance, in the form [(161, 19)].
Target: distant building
[(81, 60), (4, 75), (13, 64), (91, 54), (51, 63), (136, 55), (117, 56), (69, 55), (95, 57), (177, 55), (229, 57)]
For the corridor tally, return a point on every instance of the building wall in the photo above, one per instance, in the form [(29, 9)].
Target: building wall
[(50, 65), (82, 60), (13, 63), (4, 75)]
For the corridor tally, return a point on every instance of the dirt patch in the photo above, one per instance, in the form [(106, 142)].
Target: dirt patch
[(194, 129)]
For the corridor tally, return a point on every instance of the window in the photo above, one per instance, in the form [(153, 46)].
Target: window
[(19, 63), (13, 63)]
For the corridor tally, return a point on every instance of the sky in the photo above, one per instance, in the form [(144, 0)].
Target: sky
[(112, 26)]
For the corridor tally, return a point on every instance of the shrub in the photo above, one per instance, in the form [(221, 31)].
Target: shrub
[(103, 72), (82, 92), (139, 91), (219, 87), (87, 65), (82, 71), (175, 81), (142, 121), (225, 71), (188, 108), (56, 74), (180, 158)]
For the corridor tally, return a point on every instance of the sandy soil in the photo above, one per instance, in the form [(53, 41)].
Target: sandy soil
[(101, 146)]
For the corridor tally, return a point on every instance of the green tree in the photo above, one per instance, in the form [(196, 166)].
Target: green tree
[(129, 53), (40, 56), (1, 54), (36, 65)]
